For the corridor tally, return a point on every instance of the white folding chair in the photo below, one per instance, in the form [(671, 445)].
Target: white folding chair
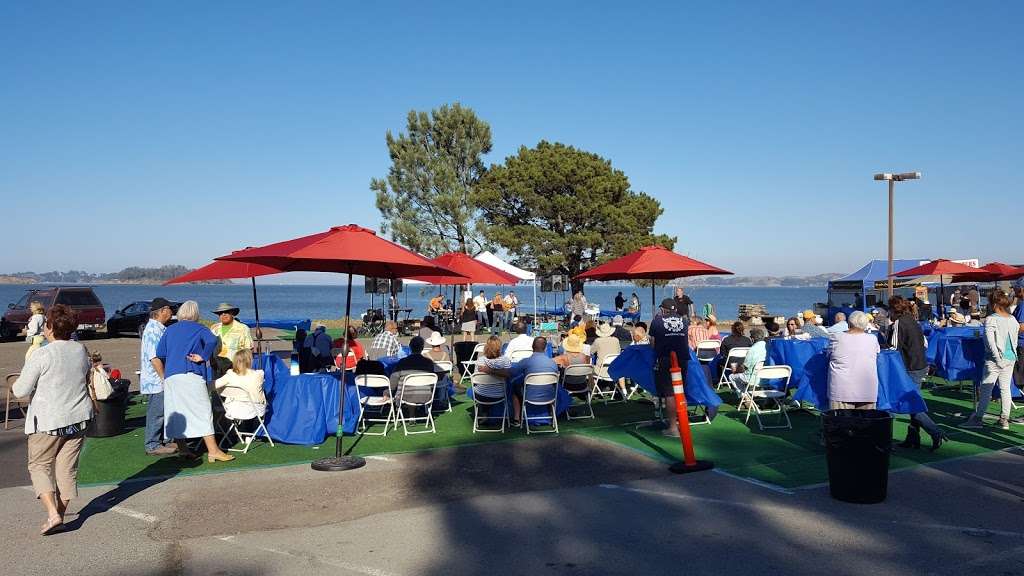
[(754, 391), (374, 391), (469, 366), (518, 355), (19, 403), (576, 381), (239, 411), (732, 359), (493, 389), (540, 389), (601, 377), (444, 367), (417, 391), (707, 350)]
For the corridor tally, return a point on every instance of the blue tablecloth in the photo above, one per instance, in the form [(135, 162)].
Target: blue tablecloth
[(799, 355), (627, 316), (897, 393), (956, 353), (279, 323), (303, 409), (637, 364)]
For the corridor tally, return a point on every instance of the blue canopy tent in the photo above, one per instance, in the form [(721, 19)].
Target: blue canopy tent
[(864, 289)]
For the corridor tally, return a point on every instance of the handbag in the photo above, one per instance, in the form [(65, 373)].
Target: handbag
[(100, 383)]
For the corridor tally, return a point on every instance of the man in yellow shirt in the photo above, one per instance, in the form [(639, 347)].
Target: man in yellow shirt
[(233, 335)]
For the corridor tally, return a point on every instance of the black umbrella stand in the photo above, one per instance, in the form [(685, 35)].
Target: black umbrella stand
[(339, 461)]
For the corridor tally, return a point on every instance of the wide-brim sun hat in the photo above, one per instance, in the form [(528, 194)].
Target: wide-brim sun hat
[(225, 307), (605, 330), (435, 339), (617, 320), (572, 343)]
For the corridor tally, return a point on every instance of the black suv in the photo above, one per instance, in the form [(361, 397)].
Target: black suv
[(132, 319)]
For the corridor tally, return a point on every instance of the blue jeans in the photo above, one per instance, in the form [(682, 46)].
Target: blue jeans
[(481, 319), (154, 421)]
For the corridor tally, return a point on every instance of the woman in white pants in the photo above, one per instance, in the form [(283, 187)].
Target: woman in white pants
[(1001, 331)]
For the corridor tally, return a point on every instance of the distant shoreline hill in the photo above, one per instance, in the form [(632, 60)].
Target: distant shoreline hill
[(817, 281), (130, 275)]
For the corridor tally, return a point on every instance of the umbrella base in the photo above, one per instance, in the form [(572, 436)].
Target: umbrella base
[(338, 463), (699, 466)]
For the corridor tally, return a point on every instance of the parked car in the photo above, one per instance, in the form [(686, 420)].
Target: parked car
[(132, 319), (81, 299)]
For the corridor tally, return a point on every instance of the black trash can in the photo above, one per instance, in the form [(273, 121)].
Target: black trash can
[(109, 418), (857, 448)]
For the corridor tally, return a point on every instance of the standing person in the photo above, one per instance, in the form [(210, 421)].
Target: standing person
[(1018, 313), (853, 367), (620, 302), (668, 332), (1002, 333), (60, 409), (233, 336), (511, 303), (180, 356), (634, 304), (319, 344), (150, 382), (480, 305), (34, 328), (906, 336), (498, 309), (470, 317), (684, 304), (578, 305), (924, 308)]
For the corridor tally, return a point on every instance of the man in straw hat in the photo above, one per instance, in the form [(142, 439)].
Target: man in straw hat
[(233, 335)]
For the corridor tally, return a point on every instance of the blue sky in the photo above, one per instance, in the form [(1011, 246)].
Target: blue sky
[(151, 133)]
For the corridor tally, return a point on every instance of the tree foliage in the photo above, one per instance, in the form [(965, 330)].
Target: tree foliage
[(557, 209), (425, 199)]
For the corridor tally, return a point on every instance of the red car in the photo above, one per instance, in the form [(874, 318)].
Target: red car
[(81, 299)]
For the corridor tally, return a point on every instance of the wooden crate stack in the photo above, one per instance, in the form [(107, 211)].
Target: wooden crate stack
[(748, 311)]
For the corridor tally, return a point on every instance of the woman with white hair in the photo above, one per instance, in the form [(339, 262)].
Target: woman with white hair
[(853, 367), (181, 357)]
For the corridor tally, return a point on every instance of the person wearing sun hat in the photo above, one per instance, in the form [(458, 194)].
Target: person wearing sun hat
[(437, 353), (572, 353), (605, 344), (233, 336), (811, 328)]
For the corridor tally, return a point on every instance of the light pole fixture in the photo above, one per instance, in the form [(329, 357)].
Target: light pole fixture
[(892, 179)]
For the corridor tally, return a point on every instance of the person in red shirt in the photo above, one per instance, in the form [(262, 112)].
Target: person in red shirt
[(355, 349)]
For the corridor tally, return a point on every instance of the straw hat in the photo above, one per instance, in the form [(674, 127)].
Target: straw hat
[(957, 319), (435, 339), (808, 315), (225, 307), (572, 343), (605, 330)]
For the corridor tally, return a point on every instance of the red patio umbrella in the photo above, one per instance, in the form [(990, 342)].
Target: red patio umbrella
[(650, 263), (942, 268), (350, 250), (227, 270), (991, 272)]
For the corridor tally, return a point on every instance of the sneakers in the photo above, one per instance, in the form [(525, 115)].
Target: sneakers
[(165, 450), (972, 423), (670, 432), (1004, 424)]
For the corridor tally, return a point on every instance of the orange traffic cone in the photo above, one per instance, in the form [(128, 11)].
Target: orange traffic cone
[(690, 462)]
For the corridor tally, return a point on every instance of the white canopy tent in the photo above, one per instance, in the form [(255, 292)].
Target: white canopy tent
[(488, 257)]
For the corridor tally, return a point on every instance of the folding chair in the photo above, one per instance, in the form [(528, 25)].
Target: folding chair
[(492, 388), (374, 392), (576, 381), (540, 389), (754, 391), (518, 355), (601, 376), (707, 350), (19, 403), (733, 358), (239, 411), (469, 366), (417, 391), (444, 367)]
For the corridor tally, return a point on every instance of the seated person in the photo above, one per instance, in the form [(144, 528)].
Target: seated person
[(437, 351), (522, 341), (640, 336), (605, 345), (811, 327), (840, 324), (319, 345), (711, 322), (415, 362), (386, 343), (579, 327), (355, 350), (792, 328), (536, 363), (590, 333), (621, 332), (573, 353), (735, 339), (241, 387), (745, 374), (697, 332)]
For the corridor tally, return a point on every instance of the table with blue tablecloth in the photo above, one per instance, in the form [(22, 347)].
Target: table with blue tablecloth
[(637, 363), (958, 353), (303, 409)]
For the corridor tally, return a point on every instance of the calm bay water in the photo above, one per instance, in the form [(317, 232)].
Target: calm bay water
[(322, 302)]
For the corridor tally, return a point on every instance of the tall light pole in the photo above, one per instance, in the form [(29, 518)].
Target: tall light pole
[(892, 179)]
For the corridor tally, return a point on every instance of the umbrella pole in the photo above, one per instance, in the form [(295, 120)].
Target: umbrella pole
[(256, 309), (653, 304), (340, 462)]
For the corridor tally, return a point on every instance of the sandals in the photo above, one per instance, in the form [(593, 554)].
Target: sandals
[(222, 458), (53, 525)]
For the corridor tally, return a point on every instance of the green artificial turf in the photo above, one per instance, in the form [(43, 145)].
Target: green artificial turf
[(788, 458)]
